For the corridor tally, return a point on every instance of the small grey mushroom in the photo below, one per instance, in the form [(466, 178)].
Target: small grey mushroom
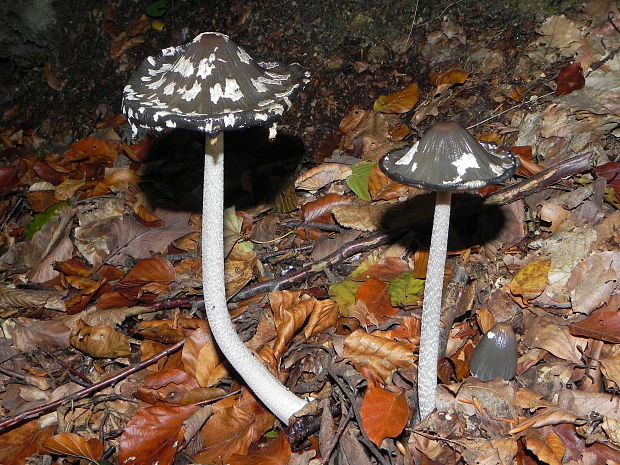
[(495, 356)]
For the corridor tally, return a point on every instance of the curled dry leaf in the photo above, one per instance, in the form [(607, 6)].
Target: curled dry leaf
[(320, 176), (291, 310), (202, 359), (547, 447), (378, 353), (544, 417), (384, 414), (75, 446), (99, 341), (320, 211)]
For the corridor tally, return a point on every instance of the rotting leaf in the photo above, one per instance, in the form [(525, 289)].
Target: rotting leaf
[(453, 76), (384, 414), (321, 175), (399, 102)]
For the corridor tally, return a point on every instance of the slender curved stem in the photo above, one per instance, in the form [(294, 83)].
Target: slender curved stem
[(277, 398), (431, 307)]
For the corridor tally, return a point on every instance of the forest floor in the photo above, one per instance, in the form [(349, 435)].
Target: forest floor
[(105, 352)]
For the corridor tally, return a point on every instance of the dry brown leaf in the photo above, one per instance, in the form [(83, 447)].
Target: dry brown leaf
[(531, 279), (202, 358), (231, 429), (164, 424), (291, 310), (555, 339), (453, 76), (99, 341), (377, 353), (320, 210), (384, 414), (75, 446), (548, 448), (277, 452), (321, 175), (593, 281), (544, 417)]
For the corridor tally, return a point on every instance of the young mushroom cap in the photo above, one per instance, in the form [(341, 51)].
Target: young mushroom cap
[(210, 85), (448, 158), (495, 356)]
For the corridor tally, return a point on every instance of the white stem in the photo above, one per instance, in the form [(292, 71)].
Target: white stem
[(277, 398), (431, 307)]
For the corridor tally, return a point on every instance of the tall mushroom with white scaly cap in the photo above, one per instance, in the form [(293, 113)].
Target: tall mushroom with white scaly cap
[(446, 159), (212, 85)]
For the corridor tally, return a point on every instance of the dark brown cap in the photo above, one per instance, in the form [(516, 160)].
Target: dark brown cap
[(448, 158), (209, 85)]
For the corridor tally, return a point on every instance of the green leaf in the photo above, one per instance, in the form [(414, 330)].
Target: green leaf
[(41, 219), (358, 181), (271, 434), (405, 290), (158, 8), (343, 294)]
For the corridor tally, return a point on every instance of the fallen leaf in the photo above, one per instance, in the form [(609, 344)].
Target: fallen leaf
[(99, 341), (384, 414), (278, 452), (570, 79), (75, 446), (164, 424), (398, 102)]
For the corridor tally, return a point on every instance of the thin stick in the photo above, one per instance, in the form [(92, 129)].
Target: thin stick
[(35, 412)]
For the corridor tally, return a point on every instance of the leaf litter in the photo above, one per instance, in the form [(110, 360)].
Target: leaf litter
[(104, 344)]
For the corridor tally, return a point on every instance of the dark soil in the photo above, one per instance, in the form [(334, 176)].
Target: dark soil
[(355, 51)]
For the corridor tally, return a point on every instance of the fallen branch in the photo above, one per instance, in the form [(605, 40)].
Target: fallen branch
[(349, 249), (35, 412)]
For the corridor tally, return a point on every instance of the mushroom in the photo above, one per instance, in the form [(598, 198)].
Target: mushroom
[(446, 159), (495, 356), (211, 85)]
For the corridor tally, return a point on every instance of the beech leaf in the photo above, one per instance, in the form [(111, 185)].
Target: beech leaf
[(384, 414), (358, 181)]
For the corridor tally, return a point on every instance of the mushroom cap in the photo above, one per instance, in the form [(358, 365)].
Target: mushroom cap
[(448, 158), (210, 85), (495, 356)]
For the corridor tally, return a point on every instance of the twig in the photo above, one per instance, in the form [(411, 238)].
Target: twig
[(349, 249), (308, 224), (543, 179), (355, 408), (35, 412), (534, 100)]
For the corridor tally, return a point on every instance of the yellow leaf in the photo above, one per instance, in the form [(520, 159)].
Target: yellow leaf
[(531, 279), (398, 102)]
